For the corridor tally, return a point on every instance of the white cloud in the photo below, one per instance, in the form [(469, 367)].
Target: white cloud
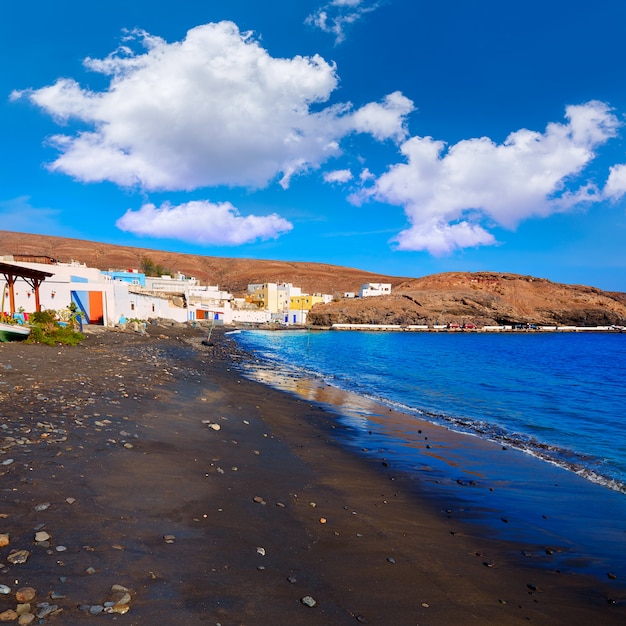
[(337, 15), (446, 194), (338, 176), (384, 120), (615, 187), (213, 109), (203, 223)]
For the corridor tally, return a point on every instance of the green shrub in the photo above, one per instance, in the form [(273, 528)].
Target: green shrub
[(45, 329)]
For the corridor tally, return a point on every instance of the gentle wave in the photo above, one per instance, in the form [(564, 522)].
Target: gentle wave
[(274, 367)]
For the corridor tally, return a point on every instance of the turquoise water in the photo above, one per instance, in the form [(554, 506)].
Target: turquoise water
[(558, 396)]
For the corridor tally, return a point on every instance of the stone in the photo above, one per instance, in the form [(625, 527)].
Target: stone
[(26, 619), (42, 507), (25, 594), (8, 616), (169, 538), (308, 601), (4, 539), (46, 609), (4, 590), (18, 557), (41, 536)]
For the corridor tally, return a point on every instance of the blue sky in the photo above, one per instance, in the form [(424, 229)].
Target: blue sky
[(396, 136)]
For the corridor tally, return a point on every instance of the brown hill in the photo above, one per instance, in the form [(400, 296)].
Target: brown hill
[(230, 274), (481, 298)]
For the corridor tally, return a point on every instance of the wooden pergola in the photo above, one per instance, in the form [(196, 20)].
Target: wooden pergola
[(34, 278)]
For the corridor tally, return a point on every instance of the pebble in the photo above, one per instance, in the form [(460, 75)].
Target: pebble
[(258, 500), (26, 619), (90, 571), (169, 538), (260, 551), (391, 559), (42, 535), (292, 579), (42, 507), (46, 609), (25, 594), (4, 590), (308, 601), (8, 461), (18, 557), (4, 539), (8, 616)]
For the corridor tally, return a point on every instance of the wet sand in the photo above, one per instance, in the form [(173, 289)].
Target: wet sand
[(112, 448)]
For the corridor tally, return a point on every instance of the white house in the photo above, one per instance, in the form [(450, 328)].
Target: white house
[(375, 289)]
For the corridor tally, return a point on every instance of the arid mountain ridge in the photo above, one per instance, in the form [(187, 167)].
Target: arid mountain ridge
[(481, 298)]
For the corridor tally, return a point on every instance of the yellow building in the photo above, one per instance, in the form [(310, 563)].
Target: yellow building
[(300, 305), (272, 297)]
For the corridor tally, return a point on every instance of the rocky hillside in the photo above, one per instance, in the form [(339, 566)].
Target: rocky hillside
[(481, 298), (233, 275)]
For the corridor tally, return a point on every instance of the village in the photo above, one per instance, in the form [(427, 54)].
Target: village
[(116, 297)]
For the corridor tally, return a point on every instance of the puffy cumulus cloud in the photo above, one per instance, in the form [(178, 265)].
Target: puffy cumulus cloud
[(338, 176), (386, 119), (213, 109), (337, 15), (451, 196), (203, 223), (615, 187)]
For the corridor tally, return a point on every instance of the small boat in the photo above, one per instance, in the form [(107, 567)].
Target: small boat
[(13, 332)]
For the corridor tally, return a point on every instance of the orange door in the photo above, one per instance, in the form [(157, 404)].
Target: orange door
[(96, 308)]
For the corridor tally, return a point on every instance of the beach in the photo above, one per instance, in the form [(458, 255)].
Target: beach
[(150, 463)]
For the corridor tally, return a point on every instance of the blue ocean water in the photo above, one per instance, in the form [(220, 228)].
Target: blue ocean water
[(558, 396)]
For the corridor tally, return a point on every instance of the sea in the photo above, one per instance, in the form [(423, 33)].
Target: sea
[(559, 397)]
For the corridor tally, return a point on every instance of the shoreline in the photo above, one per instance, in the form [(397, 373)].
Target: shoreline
[(476, 471), (130, 441)]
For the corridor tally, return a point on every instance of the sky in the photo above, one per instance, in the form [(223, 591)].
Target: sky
[(401, 137)]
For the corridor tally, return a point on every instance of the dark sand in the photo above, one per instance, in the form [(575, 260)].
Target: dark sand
[(120, 426)]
